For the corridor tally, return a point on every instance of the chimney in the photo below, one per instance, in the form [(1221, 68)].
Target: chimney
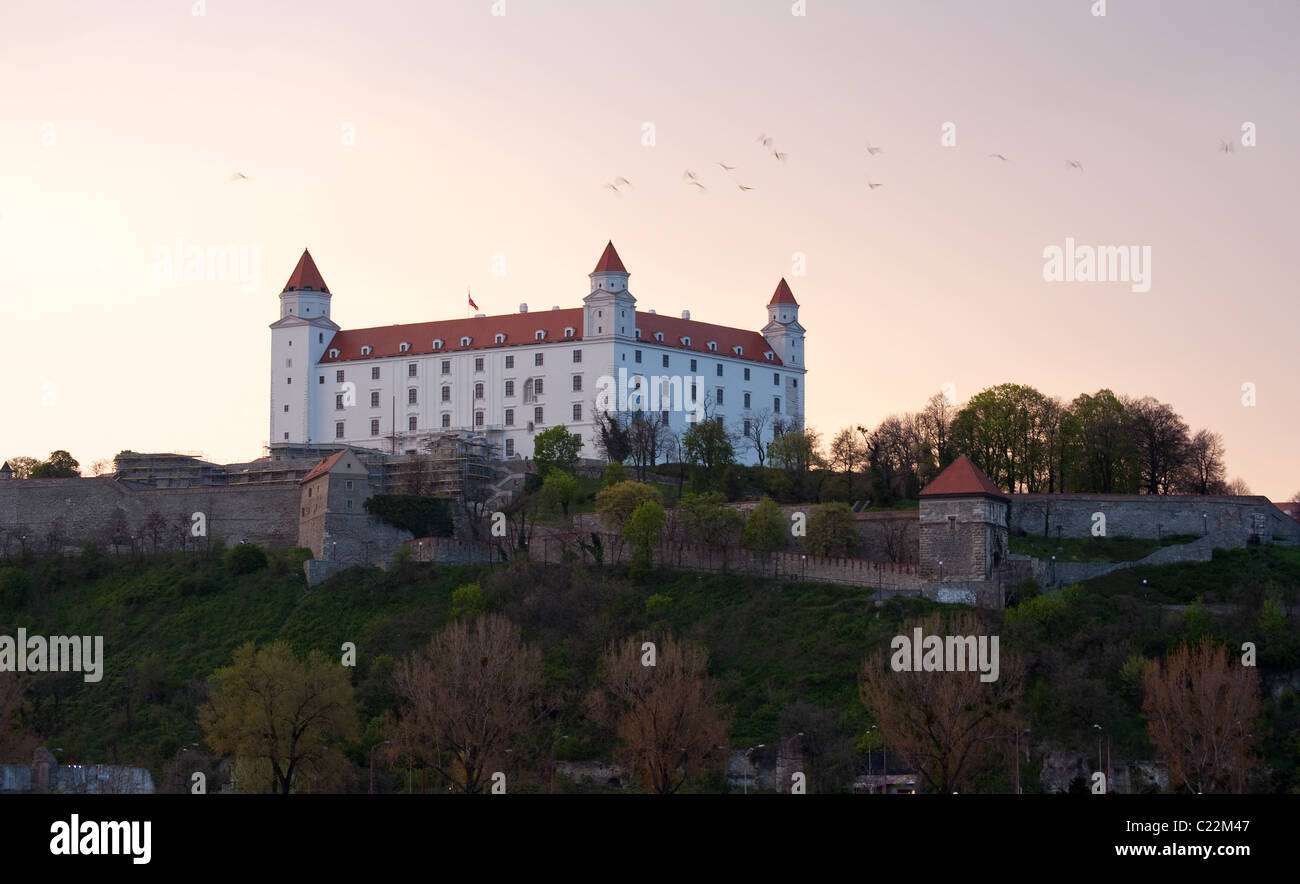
[(523, 308), (686, 314), (479, 315), (556, 307), (652, 311)]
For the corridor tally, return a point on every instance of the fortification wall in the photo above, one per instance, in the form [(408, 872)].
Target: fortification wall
[(263, 514), (1148, 515)]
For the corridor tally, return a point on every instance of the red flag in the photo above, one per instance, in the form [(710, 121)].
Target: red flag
[(471, 299)]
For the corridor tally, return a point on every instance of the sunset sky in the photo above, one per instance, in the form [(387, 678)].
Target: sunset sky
[(406, 143)]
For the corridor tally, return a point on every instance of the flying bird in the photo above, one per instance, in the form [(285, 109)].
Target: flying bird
[(621, 180), (745, 187), (1074, 164), (1226, 146), (697, 184), (689, 175), (872, 150), (872, 185), (780, 156), (239, 176), (998, 156), (765, 140), (728, 168), (613, 187)]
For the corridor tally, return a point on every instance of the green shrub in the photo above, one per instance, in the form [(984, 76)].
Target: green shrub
[(245, 558), (468, 600)]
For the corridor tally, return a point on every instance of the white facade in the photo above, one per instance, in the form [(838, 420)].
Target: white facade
[(390, 388)]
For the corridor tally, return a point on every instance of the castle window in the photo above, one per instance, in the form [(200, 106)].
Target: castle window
[(286, 437), (747, 400), (374, 398), (499, 338), (446, 420), (577, 355), (338, 402), (446, 366), (637, 356), (478, 363), (746, 374), (320, 338), (286, 408), (446, 394), (659, 336), (334, 354), (437, 343), (776, 379), (568, 331), (510, 362), (738, 350), (713, 345), (478, 418), (374, 373), (338, 376), (719, 372), (365, 351), (537, 387), (403, 347), (539, 334), (537, 414), (288, 363), (320, 379), (577, 411), (952, 523), (338, 430), (510, 417), (718, 391), (289, 380), (410, 423), (776, 404), (410, 370), (349, 504), (745, 431), (665, 360), (465, 340), (638, 333), (693, 363), (411, 397), (510, 448), (510, 388), (686, 341), (478, 391), (374, 431), (537, 358), (577, 383)]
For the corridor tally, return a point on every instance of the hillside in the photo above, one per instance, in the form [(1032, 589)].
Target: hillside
[(786, 654)]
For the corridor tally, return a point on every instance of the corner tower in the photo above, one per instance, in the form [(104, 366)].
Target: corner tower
[(783, 331), (299, 338)]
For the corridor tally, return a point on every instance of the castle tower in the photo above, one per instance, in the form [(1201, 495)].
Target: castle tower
[(609, 310), (963, 523), (783, 331), (299, 338)]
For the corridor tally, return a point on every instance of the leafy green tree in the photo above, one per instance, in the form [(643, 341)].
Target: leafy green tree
[(709, 450), (559, 489), (617, 502), (293, 713), (831, 531), (644, 529), (245, 558), (468, 600), (796, 453), (1106, 456), (708, 518), (23, 466), (614, 473), (556, 449), (765, 529), (59, 465)]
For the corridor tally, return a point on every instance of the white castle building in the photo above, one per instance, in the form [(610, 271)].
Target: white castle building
[(512, 376)]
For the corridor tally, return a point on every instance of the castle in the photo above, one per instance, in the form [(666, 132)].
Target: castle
[(509, 377)]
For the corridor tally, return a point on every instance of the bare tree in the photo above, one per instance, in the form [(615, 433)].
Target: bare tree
[(664, 710), (946, 725), (1204, 468), (758, 426), (1237, 488), (847, 454), (475, 690), (1201, 710), (1161, 437)]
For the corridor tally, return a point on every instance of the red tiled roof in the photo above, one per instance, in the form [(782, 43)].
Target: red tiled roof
[(962, 477), (1289, 508), (520, 330), (306, 278), (323, 467), (609, 261), (783, 295), (701, 333)]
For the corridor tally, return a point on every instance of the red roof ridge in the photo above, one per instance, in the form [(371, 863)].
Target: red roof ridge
[(783, 295), (609, 261), (305, 277), (323, 467), (962, 477)]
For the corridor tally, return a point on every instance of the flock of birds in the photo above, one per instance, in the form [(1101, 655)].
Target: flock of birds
[(692, 178)]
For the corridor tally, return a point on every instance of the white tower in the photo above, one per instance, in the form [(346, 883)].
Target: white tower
[(783, 331), (609, 311), (298, 340)]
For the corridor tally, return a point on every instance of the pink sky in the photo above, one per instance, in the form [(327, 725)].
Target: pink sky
[(477, 134)]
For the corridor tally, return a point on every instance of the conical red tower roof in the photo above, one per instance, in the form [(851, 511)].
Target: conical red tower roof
[(962, 477), (305, 277), (609, 261), (783, 295)]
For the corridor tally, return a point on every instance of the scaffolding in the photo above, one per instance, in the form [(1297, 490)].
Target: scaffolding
[(451, 464)]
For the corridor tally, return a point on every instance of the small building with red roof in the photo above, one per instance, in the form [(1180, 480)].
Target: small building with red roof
[(963, 524)]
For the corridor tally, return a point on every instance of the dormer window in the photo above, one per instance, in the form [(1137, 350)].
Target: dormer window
[(568, 331), (365, 351), (713, 345), (403, 347), (768, 355), (738, 350), (659, 336), (437, 343), (686, 341), (465, 340), (334, 354), (638, 334), (499, 338), (539, 334)]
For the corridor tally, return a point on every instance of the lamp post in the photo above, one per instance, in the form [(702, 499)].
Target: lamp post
[(372, 763), (941, 569), (748, 752), (1205, 524)]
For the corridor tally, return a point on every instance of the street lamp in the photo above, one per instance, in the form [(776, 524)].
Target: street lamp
[(372, 763), (941, 569), (750, 763)]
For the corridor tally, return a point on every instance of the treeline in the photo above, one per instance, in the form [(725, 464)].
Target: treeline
[(1025, 440)]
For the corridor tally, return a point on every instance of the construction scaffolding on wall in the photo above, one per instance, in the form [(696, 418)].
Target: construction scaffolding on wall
[(450, 464)]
